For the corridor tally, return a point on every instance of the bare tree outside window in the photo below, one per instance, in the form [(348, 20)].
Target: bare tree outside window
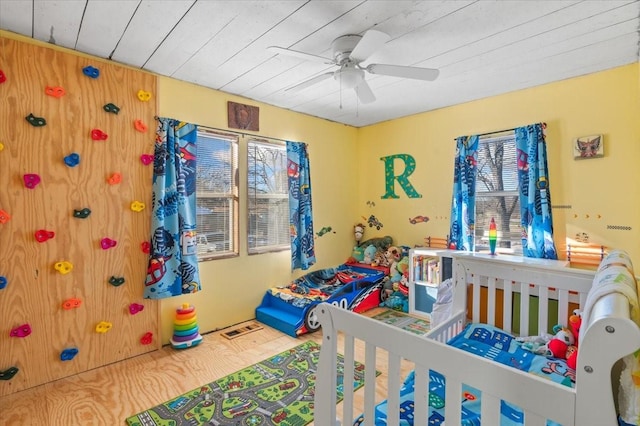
[(497, 194)]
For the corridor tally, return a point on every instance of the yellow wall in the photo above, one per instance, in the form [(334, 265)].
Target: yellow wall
[(605, 103), (347, 173), (233, 288)]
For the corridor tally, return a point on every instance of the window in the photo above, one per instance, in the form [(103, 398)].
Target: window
[(497, 194), (217, 195), (268, 199)]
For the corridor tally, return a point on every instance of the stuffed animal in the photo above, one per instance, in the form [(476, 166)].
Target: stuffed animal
[(562, 344), (369, 254)]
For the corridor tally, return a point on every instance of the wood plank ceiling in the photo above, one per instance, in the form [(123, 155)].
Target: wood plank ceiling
[(482, 48)]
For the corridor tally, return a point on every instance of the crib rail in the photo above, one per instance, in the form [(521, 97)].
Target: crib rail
[(545, 292), (376, 343)]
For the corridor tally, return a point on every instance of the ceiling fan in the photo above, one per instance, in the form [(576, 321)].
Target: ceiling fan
[(349, 51)]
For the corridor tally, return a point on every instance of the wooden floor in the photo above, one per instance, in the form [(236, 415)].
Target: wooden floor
[(108, 395)]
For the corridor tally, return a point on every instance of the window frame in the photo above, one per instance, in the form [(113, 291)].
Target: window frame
[(272, 248), (233, 197)]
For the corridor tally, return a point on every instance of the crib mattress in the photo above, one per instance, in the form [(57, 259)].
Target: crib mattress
[(492, 343)]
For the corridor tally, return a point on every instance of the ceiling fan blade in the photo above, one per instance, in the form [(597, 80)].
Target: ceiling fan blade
[(364, 92), (371, 41), (309, 83), (300, 55), (428, 74)]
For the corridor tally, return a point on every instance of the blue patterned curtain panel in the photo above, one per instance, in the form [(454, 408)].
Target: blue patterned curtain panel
[(463, 203), (173, 261), (535, 198), (300, 211)]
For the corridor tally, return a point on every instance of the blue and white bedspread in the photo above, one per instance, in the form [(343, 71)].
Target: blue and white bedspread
[(492, 343)]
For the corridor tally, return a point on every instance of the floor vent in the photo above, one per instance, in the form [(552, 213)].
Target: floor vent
[(241, 330)]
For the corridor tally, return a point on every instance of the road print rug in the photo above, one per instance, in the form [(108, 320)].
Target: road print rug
[(276, 391), (404, 321)]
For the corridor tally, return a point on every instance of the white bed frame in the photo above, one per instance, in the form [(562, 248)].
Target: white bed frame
[(609, 335)]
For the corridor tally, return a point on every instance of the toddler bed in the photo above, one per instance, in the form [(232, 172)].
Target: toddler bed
[(503, 385)]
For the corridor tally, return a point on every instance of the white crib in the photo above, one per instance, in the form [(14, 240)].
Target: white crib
[(608, 334)]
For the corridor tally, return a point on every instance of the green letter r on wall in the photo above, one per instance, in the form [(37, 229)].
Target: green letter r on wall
[(403, 179)]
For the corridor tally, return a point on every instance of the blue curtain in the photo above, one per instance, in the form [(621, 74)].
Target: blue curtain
[(535, 199), (300, 211), (173, 261), (463, 203)]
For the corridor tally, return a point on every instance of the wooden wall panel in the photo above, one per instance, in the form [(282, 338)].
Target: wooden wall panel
[(35, 291)]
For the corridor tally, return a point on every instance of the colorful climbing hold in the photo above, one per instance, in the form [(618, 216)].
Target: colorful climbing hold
[(111, 108), (146, 247), (21, 331), (146, 159), (144, 96), (72, 159), (82, 214), (1, 146), (116, 281), (98, 135), (31, 180), (186, 331), (68, 354), (107, 243), (140, 126), (147, 338), (63, 267), (135, 308), (4, 216), (8, 373), (137, 206), (3, 282), (36, 121), (71, 304), (103, 327), (3, 77), (56, 92), (43, 235), (114, 179), (90, 71)]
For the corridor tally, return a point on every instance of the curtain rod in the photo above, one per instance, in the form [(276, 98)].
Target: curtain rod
[(493, 133), (237, 133), (241, 133)]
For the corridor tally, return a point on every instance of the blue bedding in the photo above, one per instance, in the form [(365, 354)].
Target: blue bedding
[(492, 343)]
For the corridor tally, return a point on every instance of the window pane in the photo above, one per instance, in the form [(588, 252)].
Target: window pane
[(497, 195), (216, 194), (268, 200)]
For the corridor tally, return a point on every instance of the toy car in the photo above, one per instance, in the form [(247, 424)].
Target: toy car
[(419, 219), (291, 308)]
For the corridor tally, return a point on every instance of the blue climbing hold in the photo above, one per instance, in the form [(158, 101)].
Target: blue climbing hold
[(3, 282), (68, 354), (72, 159), (90, 71)]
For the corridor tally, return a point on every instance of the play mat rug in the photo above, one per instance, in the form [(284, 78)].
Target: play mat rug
[(404, 321), (278, 390)]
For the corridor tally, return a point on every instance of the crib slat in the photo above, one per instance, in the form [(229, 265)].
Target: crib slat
[(524, 309), (491, 301), (563, 306), (421, 389), (349, 375), (393, 392), (369, 383), (476, 298), (490, 409), (531, 419), (507, 303), (452, 412), (543, 309)]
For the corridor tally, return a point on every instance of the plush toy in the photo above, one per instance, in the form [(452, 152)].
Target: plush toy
[(562, 344), (369, 254), (358, 231)]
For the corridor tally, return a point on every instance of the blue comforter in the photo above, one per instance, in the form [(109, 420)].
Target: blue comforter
[(492, 343)]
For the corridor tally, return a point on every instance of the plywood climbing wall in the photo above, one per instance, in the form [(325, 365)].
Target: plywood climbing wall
[(73, 291)]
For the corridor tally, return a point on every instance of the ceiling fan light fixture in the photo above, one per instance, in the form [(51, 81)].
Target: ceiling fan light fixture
[(349, 77)]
